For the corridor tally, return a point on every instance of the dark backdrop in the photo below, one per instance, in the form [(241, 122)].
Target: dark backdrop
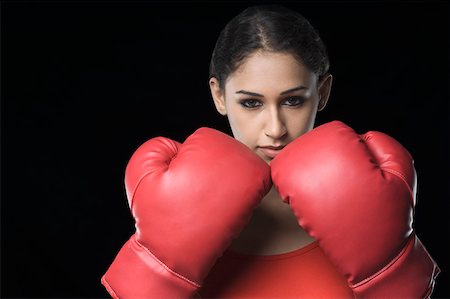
[(85, 83)]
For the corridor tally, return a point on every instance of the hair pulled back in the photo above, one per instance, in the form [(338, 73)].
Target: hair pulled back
[(271, 28)]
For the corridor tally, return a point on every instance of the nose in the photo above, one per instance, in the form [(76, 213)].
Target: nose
[(275, 125)]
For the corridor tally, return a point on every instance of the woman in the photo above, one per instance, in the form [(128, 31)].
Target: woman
[(270, 85), (269, 76)]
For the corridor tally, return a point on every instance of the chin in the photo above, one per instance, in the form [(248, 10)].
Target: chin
[(266, 159)]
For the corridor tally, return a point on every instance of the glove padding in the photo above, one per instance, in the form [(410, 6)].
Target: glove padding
[(356, 195), (189, 201)]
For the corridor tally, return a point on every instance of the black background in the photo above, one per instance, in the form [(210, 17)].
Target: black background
[(85, 83)]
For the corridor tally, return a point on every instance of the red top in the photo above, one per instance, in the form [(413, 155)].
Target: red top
[(303, 273)]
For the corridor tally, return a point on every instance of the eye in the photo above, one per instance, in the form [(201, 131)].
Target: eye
[(250, 103), (294, 101)]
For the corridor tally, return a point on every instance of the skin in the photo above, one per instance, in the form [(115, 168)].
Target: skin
[(270, 100)]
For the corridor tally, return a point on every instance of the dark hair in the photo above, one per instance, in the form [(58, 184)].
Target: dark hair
[(271, 28)]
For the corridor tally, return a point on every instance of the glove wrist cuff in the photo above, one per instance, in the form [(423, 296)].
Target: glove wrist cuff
[(136, 273), (412, 275)]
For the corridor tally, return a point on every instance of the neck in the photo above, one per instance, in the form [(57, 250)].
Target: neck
[(273, 229)]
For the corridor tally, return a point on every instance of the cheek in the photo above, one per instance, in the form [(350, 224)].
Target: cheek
[(300, 122), (243, 127)]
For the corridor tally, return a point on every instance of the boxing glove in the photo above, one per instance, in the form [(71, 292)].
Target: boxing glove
[(189, 201), (356, 195)]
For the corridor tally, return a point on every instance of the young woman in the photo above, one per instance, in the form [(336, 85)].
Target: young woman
[(332, 225), (269, 76)]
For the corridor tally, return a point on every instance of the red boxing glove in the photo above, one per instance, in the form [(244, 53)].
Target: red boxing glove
[(356, 194), (189, 201)]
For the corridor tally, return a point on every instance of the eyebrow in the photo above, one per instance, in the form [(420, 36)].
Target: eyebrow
[(254, 94)]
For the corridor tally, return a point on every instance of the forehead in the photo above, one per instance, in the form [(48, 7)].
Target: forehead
[(270, 71)]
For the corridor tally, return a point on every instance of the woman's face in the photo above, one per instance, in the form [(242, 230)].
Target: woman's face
[(270, 100)]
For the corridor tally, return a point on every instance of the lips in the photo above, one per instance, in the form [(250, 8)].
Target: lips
[(271, 151)]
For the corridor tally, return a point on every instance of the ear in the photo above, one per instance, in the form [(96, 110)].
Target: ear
[(324, 91), (218, 95)]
